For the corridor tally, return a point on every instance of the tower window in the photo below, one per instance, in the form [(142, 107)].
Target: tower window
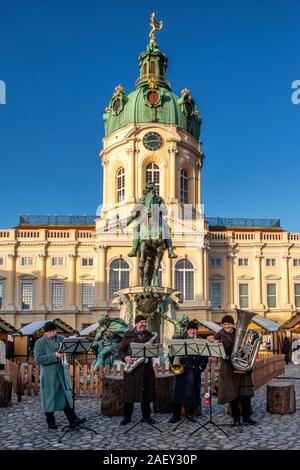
[(152, 175), (184, 182), (152, 67), (120, 185), (145, 69)]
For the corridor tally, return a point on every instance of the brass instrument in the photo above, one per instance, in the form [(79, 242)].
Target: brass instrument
[(177, 368), (246, 343), (138, 360)]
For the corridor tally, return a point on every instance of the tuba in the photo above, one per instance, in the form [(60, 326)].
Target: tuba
[(139, 360), (246, 343)]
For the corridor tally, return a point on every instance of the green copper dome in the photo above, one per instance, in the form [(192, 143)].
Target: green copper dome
[(152, 100)]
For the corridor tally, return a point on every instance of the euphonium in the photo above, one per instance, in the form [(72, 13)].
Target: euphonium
[(246, 343)]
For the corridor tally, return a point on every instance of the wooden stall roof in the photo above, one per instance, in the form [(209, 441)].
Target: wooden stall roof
[(264, 323), (7, 327), (35, 326), (291, 322)]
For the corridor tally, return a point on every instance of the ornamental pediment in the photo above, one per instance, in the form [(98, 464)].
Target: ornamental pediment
[(57, 277), (216, 277), (296, 278), (272, 277), (27, 277), (87, 277), (245, 277)]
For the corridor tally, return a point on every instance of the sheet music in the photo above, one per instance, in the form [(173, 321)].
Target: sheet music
[(197, 346)]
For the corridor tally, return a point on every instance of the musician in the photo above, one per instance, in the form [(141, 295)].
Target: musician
[(187, 384), (234, 387), (56, 390), (139, 385)]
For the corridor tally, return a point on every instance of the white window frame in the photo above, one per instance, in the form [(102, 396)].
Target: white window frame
[(151, 170), (33, 295), (57, 309), (121, 178), (2, 282), (185, 270), (271, 266), (211, 265), (216, 281), (87, 258), (276, 296), (298, 295), (184, 186), (23, 257), (57, 265), (242, 261), (84, 307), (248, 295)]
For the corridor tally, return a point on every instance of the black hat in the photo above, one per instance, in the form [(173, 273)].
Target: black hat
[(50, 326), (192, 324), (227, 319), (139, 318)]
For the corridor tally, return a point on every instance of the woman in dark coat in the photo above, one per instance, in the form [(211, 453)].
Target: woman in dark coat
[(234, 387), (286, 349), (187, 385), (139, 385)]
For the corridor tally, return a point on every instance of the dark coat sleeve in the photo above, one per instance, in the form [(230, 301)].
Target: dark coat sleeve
[(123, 350)]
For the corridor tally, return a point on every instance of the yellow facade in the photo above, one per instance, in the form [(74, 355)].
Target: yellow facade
[(71, 272)]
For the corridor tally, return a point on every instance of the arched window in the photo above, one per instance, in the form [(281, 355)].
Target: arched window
[(152, 175), (118, 276), (184, 182), (184, 279), (120, 185)]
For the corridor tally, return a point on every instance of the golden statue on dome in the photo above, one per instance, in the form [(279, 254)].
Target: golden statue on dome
[(155, 26)]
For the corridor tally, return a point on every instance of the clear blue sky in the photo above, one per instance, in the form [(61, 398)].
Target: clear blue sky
[(61, 60)]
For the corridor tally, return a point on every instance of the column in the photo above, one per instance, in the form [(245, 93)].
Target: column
[(172, 182), (134, 279), (101, 276), (71, 282), (285, 281), (41, 290), (105, 180), (198, 197), (168, 273), (130, 178), (11, 282), (230, 279), (258, 282)]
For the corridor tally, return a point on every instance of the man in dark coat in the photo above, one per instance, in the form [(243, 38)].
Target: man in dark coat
[(56, 390), (286, 349), (187, 384), (139, 385), (234, 387)]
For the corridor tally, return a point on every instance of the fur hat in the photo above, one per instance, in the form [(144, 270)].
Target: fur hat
[(50, 326), (139, 318), (227, 319), (192, 324)]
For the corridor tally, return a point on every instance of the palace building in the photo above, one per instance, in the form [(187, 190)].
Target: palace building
[(70, 267)]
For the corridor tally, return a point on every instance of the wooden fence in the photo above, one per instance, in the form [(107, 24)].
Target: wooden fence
[(88, 382)]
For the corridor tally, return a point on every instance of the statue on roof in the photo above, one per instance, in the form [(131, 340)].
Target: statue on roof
[(155, 26)]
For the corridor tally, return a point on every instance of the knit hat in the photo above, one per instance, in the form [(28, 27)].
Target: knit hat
[(139, 318), (50, 326), (227, 319), (192, 324)]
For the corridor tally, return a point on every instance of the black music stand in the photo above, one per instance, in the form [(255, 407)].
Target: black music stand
[(146, 351), (74, 346), (211, 349), (183, 347)]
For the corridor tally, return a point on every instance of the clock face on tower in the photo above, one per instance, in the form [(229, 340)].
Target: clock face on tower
[(152, 141)]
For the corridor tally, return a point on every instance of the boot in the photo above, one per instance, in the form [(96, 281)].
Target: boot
[(171, 253), (51, 420)]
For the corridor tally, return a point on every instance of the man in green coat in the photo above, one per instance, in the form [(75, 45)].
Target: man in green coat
[(56, 390), (234, 387)]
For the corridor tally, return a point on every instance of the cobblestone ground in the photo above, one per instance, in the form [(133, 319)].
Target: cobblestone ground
[(22, 426)]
